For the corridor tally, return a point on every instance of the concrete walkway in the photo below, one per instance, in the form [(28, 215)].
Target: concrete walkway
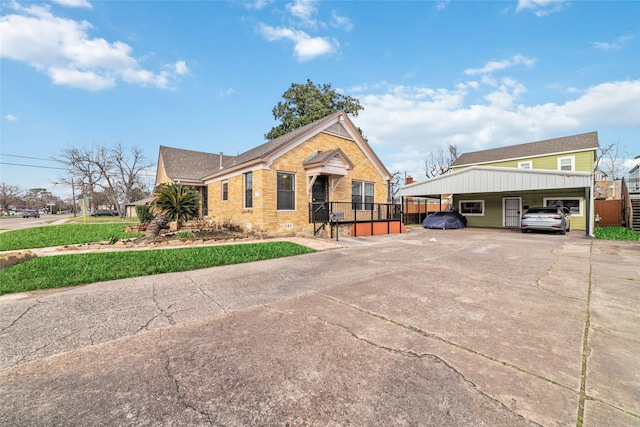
[(447, 328)]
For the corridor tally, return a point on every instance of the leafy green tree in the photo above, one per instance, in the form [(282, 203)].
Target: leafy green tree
[(173, 202), (306, 103)]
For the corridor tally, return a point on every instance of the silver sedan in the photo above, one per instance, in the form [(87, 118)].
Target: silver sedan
[(546, 219)]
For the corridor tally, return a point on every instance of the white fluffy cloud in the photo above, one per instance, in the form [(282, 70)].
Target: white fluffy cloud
[(541, 7), (406, 123), (11, 118), (63, 49), (305, 46), (74, 3)]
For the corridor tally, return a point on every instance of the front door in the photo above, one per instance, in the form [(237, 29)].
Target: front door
[(320, 199), (511, 207)]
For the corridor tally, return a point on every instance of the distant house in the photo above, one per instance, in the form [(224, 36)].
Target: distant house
[(493, 187), (288, 185)]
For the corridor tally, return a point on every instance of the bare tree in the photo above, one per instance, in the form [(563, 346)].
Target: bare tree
[(439, 162), (114, 172), (610, 160), (9, 195)]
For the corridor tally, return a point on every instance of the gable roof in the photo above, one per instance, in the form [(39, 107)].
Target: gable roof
[(582, 142), (196, 166), (188, 165), (275, 144)]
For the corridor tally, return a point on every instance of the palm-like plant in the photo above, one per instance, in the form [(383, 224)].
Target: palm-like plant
[(172, 202)]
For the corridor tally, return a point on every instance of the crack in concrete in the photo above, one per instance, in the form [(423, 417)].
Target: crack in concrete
[(180, 396), (24, 313), (436, 337), (161, 312), (585, 351), (24, 357), (199, 286), (413, 354)]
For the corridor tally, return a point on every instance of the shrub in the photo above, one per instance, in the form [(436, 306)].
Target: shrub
[(144, 213)]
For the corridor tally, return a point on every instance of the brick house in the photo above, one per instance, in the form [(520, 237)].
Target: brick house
[(493, 187), (273, 187)]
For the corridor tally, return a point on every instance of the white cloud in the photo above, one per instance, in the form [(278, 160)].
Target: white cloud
[(541, 7), (74, 3), (616, 45), (257, 4), (343, 22), (305, 46), (493, 66), (405, 123), (442, 4), (63, 49), (11, 118), (303, 10)]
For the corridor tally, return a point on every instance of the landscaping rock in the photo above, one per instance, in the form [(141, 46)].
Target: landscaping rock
[(13, 258)]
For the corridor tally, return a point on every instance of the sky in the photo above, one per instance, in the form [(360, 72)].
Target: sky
[(205, 75)]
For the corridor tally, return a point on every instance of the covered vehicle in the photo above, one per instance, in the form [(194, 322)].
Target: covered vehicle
[(445, 220), (546, 219)]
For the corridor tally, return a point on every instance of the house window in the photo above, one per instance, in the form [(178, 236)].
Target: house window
[(471, 207), (286, 191), (225, 191), (566, 163), (248, 190), (205, 201), (525, 165), (362, 195), (573, 204)]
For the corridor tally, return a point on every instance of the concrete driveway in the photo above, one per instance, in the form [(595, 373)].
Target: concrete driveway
[(446, 328)]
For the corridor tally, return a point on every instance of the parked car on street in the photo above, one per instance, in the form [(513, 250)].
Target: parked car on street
[(30, 213), (546, 219), (105, 213)]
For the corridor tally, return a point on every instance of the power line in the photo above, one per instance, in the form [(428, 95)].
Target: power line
[(27, 157), (32, 166)]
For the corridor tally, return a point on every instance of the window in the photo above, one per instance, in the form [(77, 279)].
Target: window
[(573, 204), (205, 201), (566, 163), (248, 190), (286, 191), (471, 207), (362, 195), (525, 165), (225, 191)]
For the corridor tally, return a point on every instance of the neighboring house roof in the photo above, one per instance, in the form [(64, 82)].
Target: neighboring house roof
[(567, 144), (488, 179), (141, 202)]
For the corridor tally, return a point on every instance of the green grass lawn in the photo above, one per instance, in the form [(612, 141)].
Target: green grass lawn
[(59, 235), (68, 270), (616, 233)]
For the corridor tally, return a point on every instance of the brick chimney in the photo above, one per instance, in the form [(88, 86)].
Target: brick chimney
[(408, 180)]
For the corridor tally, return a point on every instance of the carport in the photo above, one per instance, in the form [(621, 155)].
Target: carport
[(496, 196)]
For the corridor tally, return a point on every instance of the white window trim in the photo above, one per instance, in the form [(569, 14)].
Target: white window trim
[(572, 159), (525, 165), (579, 199), (460, 202), (363, 186)]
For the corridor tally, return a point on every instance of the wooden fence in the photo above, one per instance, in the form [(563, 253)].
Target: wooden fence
[(609, 211)]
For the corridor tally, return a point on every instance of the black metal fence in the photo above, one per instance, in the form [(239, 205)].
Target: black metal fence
[(348, 212)]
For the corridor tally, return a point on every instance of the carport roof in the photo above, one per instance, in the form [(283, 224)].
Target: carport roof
[(488, 179)]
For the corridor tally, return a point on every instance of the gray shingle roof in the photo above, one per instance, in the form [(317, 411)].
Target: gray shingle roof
[(188, 164), (197, 165), (272, 145), (585, 141)]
